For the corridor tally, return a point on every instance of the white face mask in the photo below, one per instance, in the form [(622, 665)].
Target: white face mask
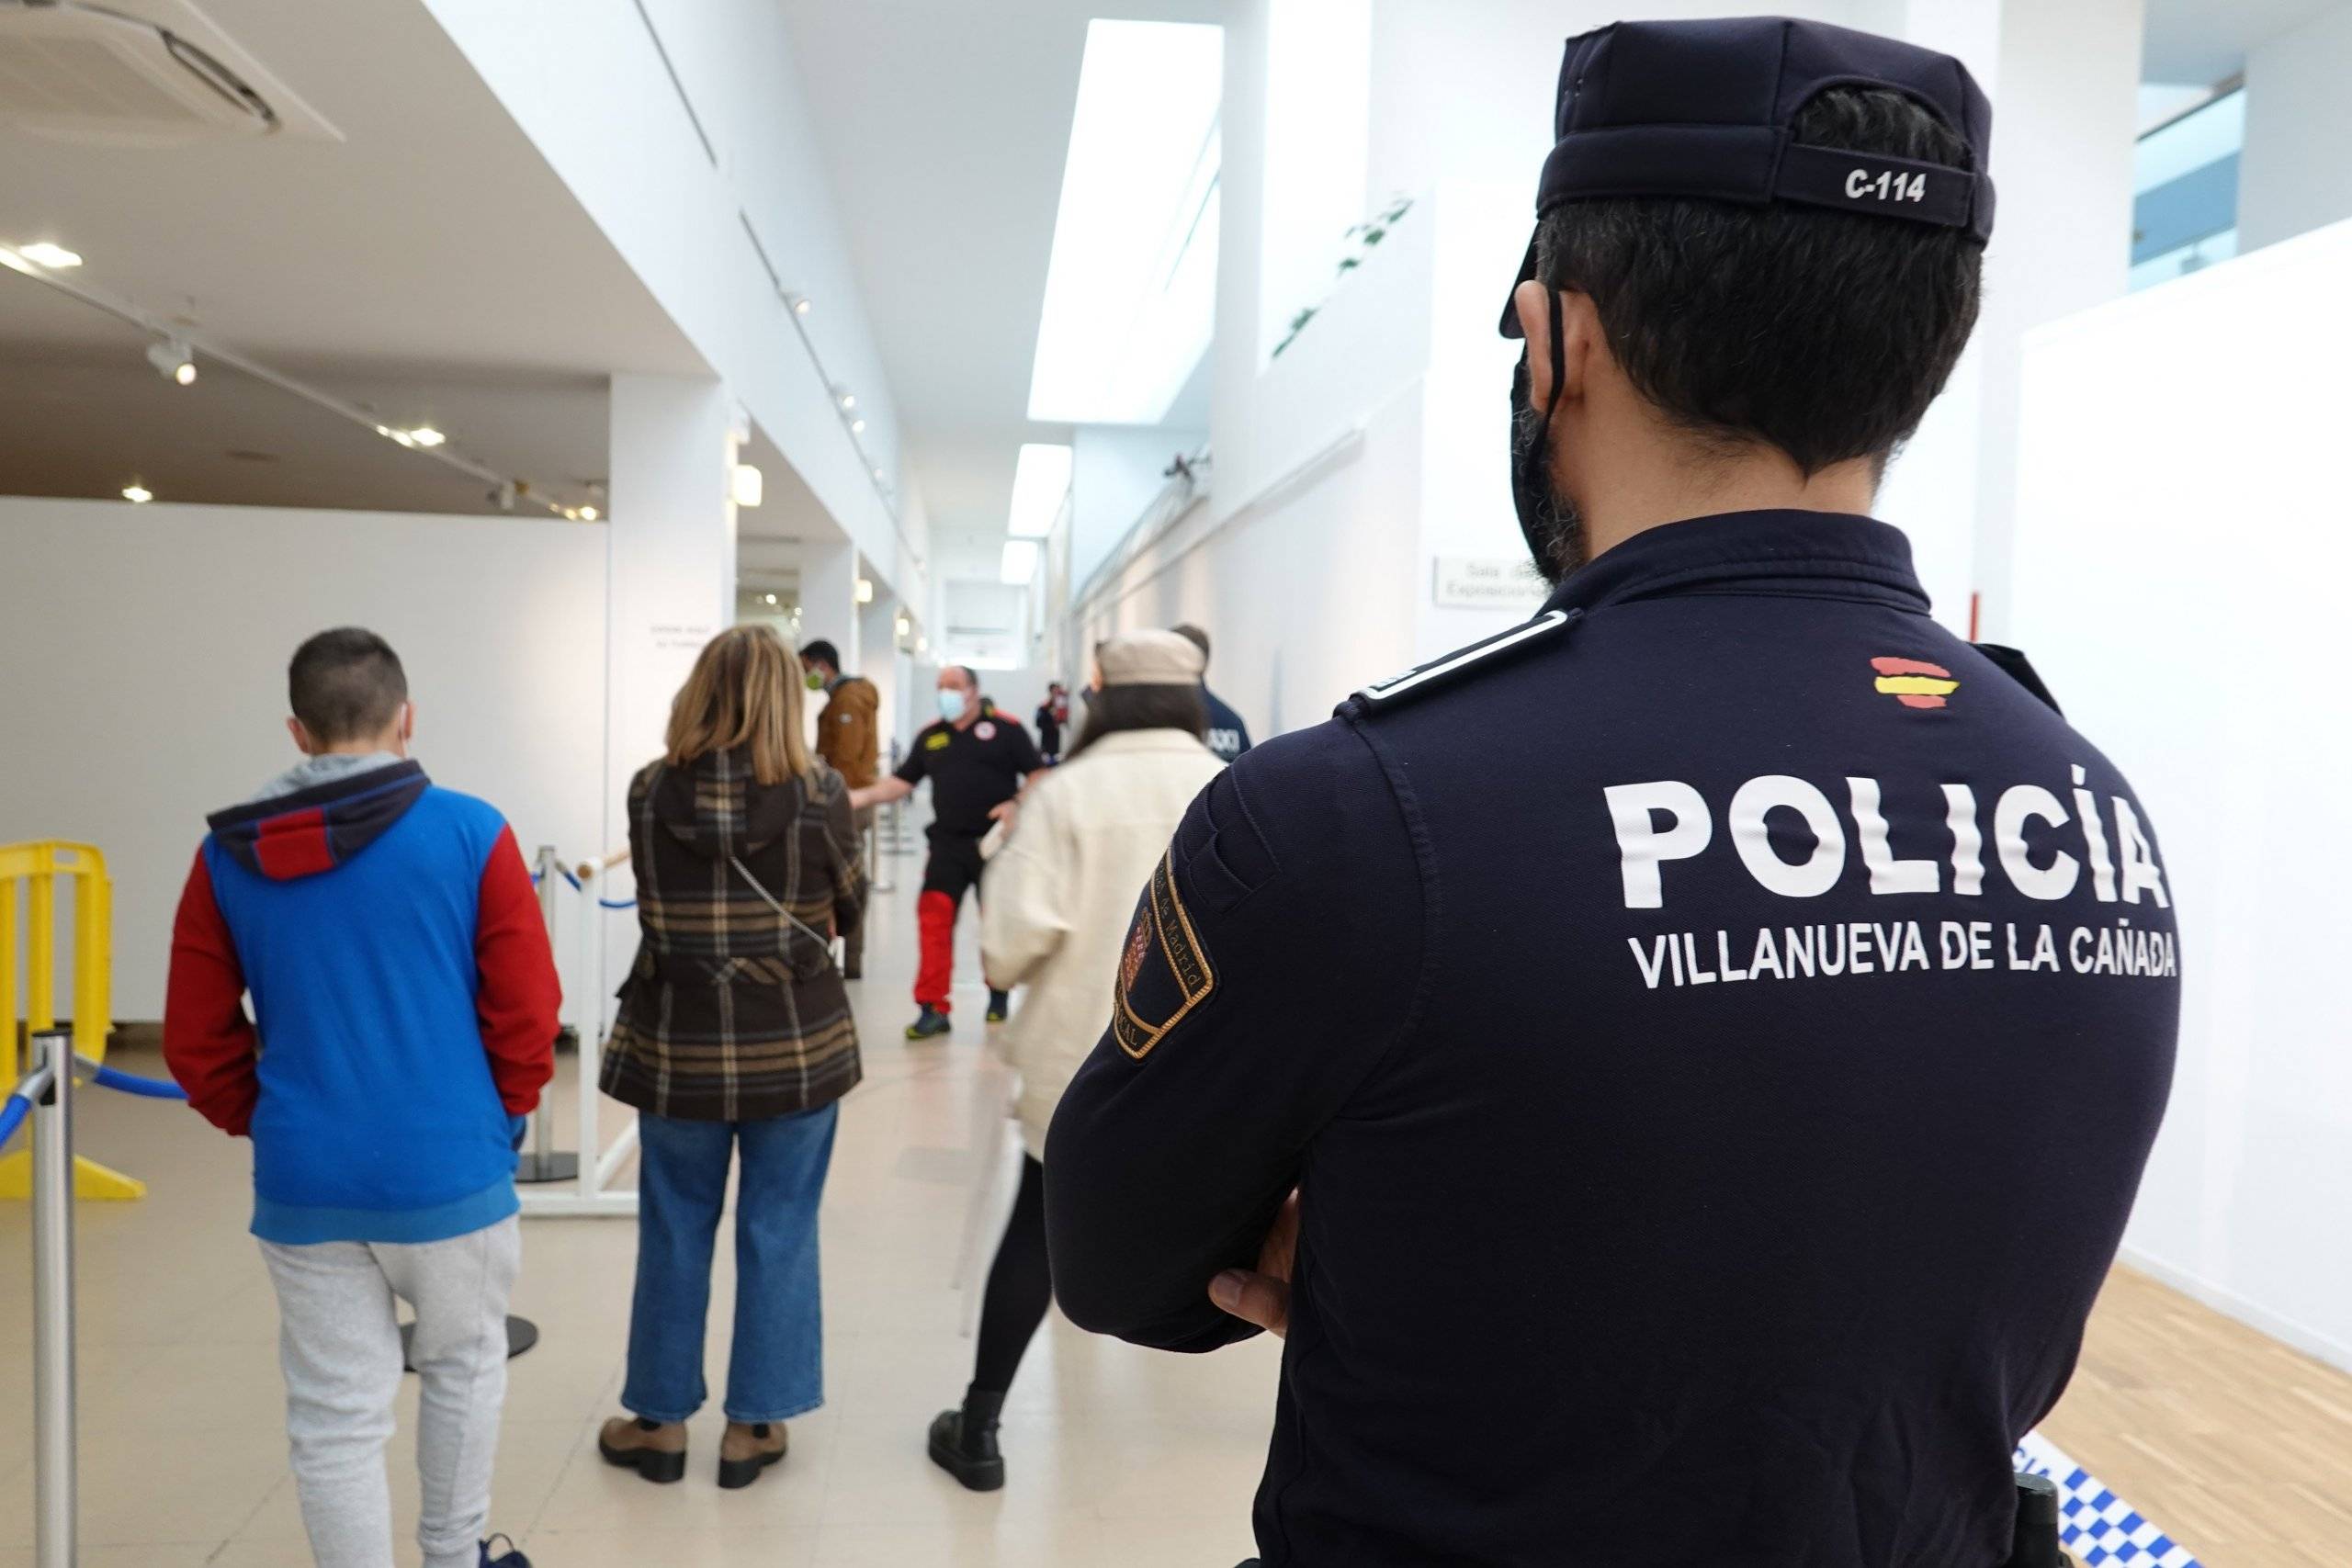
[(951, 704)]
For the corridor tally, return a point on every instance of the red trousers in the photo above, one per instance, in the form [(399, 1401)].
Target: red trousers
[(951, 870)]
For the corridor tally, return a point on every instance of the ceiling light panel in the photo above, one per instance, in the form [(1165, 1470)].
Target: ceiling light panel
[(1020, 563), (1130, 294), (1040, 484)]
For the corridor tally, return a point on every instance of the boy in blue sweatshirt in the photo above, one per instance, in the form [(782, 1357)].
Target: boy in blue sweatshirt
[(405, 1015)]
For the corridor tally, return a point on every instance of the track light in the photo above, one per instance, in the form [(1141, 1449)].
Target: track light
[(849, 402), (857, 427), (866, 591), (172, 360), (751, 485), (799, 303), (137, 494), (426, 435), (41, 252), (589, 514), (771, 598)]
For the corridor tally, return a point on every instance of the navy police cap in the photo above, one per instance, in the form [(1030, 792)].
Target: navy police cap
[(1707, 110)]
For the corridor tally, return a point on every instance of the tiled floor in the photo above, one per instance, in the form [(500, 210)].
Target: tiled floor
[(1119, 1459)]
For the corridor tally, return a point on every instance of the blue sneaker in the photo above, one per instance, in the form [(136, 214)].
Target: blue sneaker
[(511, 1558)]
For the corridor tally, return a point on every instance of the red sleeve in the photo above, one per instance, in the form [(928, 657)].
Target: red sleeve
[(516, 996), (209, 1042)]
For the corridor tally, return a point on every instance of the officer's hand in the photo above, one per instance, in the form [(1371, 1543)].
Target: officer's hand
[(1263, 1297), (1005, 810)]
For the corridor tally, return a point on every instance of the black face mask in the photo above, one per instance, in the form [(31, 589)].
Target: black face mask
[(1553, 525)]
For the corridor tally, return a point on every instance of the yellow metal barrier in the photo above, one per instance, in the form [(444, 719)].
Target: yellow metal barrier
[(35, 868)]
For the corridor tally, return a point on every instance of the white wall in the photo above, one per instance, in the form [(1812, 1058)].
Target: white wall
[(2182, 560), (146, 648), (1115, 473), (2292, 176), (586, 81)]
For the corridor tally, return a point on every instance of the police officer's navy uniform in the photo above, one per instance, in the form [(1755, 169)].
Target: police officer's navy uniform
[(1715, 1097)]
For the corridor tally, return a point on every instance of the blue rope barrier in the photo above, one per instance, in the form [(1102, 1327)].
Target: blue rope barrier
[(617, 903), (132, 1083), (12, 1116)]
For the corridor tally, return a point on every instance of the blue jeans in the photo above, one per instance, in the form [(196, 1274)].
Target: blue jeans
[(776, 1368)]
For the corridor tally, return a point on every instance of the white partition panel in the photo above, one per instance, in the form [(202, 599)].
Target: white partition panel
[(2184, 567), (142, 675)]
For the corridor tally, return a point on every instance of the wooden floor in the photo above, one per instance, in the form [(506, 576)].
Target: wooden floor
[(2237, 1446)]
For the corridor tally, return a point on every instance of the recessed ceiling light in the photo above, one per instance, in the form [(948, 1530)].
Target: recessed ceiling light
[(426, 435), (172, 360), (866, 591), (137, 494), (751, 485), (402, 436), (41, 252), (589, 514), (857, 427), (771, 598)]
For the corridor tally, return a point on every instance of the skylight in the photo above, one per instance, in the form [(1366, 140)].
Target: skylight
[(1040, 481), (1131, 292)]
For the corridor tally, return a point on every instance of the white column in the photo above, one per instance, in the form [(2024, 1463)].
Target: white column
[(672, 563), (2298, 117), (829, 573), (2065, 85)]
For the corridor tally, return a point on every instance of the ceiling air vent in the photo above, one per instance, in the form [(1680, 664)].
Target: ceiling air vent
[(135, 73)]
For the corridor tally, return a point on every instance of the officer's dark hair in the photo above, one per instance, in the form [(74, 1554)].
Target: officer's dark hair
[(1197, 638), (345, 684), (1116, 708), (822, 652), (1824, 333)]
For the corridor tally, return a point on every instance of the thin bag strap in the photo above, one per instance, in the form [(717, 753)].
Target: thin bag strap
[(745, 872)]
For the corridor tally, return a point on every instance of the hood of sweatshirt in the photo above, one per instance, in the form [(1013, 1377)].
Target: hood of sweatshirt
[(319, 814), (715, 808)]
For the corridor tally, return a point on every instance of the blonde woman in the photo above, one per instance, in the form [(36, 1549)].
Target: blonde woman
[(734, 1035), (1059, 898)]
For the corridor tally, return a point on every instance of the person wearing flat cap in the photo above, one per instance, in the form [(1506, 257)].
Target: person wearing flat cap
[(1057, 899), (1699, 1142)]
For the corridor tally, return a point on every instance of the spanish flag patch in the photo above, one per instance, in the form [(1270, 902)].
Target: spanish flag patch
[(1164, 971), (1914, 683)]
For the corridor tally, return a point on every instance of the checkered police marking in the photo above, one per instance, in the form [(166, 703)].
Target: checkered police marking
[(2095, 1526)]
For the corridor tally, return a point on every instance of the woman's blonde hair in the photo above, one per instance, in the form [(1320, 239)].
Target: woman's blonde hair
[(745, 691)]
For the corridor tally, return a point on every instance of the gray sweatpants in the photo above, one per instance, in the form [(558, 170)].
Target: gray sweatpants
[(340, 1344)]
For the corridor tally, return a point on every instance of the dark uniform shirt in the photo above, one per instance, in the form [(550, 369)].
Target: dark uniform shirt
[(1715, 1097), (971, 769), (1228, 735)]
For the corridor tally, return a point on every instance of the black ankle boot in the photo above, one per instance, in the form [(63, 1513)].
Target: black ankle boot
[(963, 1442)]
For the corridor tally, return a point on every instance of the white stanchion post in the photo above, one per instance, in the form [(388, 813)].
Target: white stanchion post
[(54, 1453)]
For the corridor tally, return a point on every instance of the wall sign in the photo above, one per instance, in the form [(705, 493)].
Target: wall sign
[(1490, 582)]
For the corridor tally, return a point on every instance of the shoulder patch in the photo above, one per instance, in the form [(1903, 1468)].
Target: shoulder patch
[(1164, 970), (937, 740), (1440, 672)]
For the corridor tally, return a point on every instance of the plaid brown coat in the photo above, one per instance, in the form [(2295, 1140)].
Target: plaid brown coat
[(730, 1012)]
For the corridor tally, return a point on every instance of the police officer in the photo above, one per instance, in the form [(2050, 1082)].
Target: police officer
[(1727, 1113), (976, 760), (1228, 735)]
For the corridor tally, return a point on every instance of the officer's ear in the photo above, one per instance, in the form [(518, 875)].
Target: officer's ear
[(1581, 339)]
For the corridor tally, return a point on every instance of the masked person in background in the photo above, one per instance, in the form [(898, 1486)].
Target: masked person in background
[(848, 735), (1060, 894), (976, 760), (1052, 718)]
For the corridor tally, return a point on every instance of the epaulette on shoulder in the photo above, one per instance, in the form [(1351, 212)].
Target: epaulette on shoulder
[(1383, 695), (2018, 668)]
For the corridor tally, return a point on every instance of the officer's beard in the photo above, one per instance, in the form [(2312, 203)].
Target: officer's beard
[(1551, 521)]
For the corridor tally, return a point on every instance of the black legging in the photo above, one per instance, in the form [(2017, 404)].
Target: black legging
[(1019, 1287)]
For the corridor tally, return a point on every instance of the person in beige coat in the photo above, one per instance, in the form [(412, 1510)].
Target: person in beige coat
[(1060, 894)]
